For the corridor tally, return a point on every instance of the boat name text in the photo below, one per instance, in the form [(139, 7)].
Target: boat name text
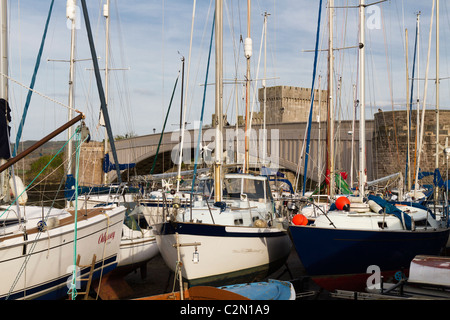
[(104, 237)]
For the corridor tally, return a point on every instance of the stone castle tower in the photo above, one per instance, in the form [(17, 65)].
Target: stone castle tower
[(286, 104)]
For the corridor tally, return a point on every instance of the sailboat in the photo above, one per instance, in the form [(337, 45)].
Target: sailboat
[(153, 202), (44, 251), (343, 248), (138, 244), (235, 239)]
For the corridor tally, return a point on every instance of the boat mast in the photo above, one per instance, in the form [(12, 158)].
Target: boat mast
[(330, 98), (424, 100), (71, 15), (101, 92), (362, 104), (4, 84), (408, 172), (181, 96), (182, 126), (106, 15), (355, 104), (416, 183), (319, 155), (218, 102), (265, 91), (248, 54), (436, 193), (4, 51)]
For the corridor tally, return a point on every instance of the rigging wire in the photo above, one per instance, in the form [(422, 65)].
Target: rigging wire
[(28, 256), (390, 88), (312, 95), (190, 95), (203, 106), (33, 79), (183, 125)]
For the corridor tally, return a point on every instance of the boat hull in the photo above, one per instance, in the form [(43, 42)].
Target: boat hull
[(346, 259), (135, 250), (41, 267), (219, 255), (92, 201), (153, 210)]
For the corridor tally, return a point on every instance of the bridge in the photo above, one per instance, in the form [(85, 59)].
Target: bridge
[(284, 145)]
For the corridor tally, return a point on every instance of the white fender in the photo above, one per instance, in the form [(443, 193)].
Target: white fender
[(375, 207), (20, 188)]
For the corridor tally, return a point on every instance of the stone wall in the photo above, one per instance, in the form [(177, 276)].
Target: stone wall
[(91, 162), (390, 141)]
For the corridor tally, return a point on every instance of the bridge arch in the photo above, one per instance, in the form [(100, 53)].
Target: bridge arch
[(142, 150)]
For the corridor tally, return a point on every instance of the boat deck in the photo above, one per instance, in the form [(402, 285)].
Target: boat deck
[(82, 214)]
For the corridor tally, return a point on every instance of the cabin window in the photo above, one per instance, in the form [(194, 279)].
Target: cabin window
[(254, 189)]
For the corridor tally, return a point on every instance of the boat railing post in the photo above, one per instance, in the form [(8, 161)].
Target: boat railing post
[(164, 208), (158, 210), (190, 206), (210, 212)]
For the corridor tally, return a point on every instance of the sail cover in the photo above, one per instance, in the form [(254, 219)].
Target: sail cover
[(5, 118), (108, 166)]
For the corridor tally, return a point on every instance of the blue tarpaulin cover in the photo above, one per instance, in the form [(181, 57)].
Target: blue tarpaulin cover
[(391, 209), (108, 166)]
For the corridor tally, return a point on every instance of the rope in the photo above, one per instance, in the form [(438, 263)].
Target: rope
[(73, 289), (177, 276), (38, 93)]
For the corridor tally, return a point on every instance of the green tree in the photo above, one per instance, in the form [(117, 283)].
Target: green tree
[(125, 136), (39, 164)]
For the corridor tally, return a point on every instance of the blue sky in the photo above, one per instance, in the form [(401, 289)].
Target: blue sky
[(148, 39)]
